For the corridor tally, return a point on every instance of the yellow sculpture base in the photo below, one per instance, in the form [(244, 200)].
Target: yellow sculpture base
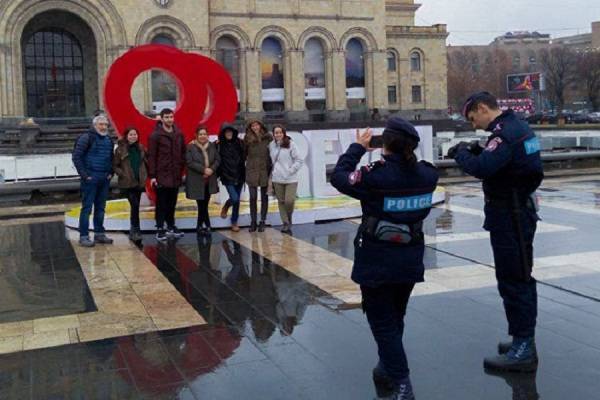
[(307, 210)]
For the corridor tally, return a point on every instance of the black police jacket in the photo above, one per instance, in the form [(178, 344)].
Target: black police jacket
[(510, 164), (394, 191)]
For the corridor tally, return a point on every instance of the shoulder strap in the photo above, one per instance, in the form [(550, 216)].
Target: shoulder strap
[(91, 138)]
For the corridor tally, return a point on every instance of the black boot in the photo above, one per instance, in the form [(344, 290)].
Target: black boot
[(261, 226), (521, 357), (252, 227), (135, 235)]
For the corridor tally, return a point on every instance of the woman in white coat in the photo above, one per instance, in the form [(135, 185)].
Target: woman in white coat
[(286, 164)]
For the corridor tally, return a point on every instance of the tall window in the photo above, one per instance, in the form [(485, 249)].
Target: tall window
[(355, 75), (417, 94), (54, 74), (271, 65), (164, 87), (314, 74), (392, 94), (475, 64), (532, 59), (516, 61), (415, 61), (391, 61), (228, 55)]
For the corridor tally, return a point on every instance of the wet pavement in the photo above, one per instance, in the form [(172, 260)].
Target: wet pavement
[(277, 327)]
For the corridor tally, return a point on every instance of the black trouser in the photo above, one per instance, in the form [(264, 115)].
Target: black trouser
[(518, 295), (264, 203), (203, 217), (166, 201), (133, 196), (385, 307)]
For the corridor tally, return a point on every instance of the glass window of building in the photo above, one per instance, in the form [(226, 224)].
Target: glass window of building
[(392, 94), (417, 94), (415, 61)]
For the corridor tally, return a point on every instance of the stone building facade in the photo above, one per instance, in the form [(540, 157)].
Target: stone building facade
[(364, 54)]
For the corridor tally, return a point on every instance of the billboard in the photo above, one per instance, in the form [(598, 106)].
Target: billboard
[(519, 83), (314, 70), (271, 66), (355, 68)]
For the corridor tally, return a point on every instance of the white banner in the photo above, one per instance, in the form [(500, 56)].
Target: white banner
[(269, 95), (314, 94), (355, 93)]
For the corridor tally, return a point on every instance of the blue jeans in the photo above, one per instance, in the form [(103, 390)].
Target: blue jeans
[(235, 192), (94, 193), (385, 307)]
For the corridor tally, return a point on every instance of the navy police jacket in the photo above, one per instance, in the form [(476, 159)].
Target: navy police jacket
[(509, 163), (393, 191)]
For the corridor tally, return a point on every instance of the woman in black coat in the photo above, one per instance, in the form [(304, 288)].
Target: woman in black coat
[(232, 171)]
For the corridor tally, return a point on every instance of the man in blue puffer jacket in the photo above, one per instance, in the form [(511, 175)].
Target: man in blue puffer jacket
[(92, 157)]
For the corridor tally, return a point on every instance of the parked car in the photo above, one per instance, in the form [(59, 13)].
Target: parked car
[(594, 117)]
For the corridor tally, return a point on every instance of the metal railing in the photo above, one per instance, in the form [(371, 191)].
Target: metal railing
[(546, 157)]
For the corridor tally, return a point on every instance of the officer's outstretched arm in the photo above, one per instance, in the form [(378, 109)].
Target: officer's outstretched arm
[(346, 178), (495, 156)]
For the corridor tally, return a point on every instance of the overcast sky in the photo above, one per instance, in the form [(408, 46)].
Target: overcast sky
[(480, 21)]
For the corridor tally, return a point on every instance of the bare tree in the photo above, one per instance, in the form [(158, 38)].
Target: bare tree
[(588, 73), (559, 64)]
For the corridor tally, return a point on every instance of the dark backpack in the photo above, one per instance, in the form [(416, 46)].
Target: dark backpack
[(91, 140)]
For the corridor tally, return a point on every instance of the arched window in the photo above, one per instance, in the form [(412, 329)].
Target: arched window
[(271, 66), (228, 55), (415, 61), (314, 74), (355, 73), (164, 87), (516, 60), (532, 59), (475, 64), (391, 61), (54, 74)]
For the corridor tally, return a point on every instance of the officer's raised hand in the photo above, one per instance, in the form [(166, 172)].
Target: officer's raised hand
[(364, 138), (453, 151)]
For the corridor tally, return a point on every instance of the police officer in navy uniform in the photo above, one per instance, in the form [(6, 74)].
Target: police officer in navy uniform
[(396, 196), (511, 169)]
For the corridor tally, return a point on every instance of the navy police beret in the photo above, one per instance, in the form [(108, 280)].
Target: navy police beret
[(399, 126)]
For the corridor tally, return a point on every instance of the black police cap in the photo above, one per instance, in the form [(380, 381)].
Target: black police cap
[(399, 126)]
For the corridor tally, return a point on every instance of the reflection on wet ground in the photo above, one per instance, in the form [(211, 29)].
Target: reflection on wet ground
[(39, 274), (273, 335)]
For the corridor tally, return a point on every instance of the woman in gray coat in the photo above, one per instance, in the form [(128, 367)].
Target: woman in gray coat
[(202, 159)]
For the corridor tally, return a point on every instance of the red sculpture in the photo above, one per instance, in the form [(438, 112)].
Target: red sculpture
[(207, 94)]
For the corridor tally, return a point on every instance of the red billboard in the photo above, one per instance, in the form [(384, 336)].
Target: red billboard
[(519, 83)]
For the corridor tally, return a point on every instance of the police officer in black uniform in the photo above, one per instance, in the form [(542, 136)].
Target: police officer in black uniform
[(511, 169), (396, 196)]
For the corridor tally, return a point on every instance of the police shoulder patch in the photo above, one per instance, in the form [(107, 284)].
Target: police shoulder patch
[(375, 164), (355, 177), (493, 144)]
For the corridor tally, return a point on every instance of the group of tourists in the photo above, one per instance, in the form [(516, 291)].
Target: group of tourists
[(267, 162)]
